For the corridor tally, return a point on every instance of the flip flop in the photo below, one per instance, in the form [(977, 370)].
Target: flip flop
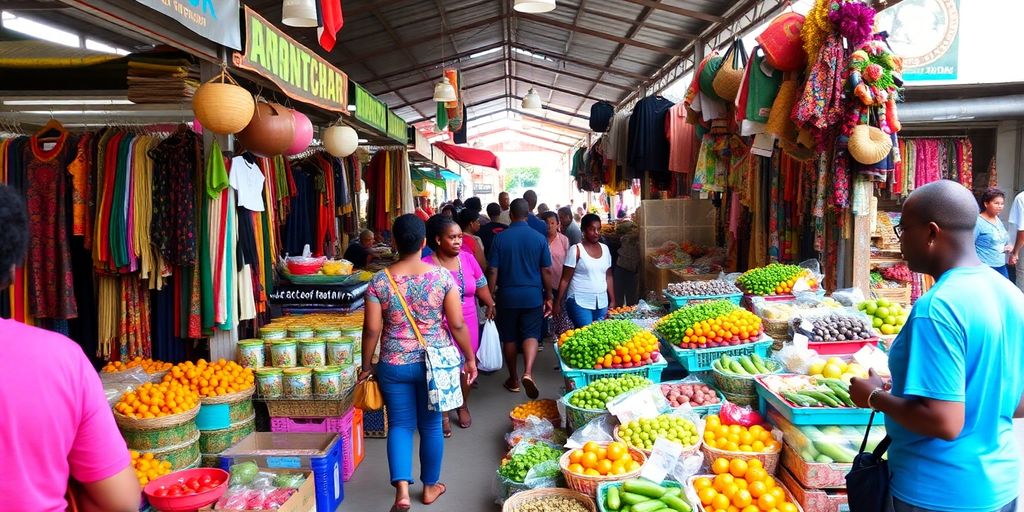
[(511, 387), (531, 387), (444, 489)]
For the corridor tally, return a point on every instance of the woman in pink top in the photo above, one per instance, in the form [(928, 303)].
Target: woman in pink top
[(446, 239), (559, 246), (56, 424)]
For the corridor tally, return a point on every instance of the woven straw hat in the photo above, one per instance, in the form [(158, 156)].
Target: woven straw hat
[(869, 145)]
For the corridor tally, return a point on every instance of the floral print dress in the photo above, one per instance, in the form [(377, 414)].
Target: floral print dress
[(424, 293)]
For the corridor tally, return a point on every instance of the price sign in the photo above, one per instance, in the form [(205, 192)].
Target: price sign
[(664, 456), (800, 341), (641, 404)]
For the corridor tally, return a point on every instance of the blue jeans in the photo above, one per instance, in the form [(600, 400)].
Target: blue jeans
[(582, 317), (899, 506), (404, 388)]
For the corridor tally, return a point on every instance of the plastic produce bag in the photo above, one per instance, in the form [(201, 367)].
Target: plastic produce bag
[(488, 356), (849, 297), (745, 416), (796, 359), (645, 402), (533, 429), (826, 443), (598, 430), (686, 467), (244, 473)]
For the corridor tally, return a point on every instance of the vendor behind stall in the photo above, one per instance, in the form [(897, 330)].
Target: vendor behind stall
[(359, 252)]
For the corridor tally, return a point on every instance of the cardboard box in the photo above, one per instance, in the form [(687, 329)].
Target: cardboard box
[(320, 452), (304, 500)]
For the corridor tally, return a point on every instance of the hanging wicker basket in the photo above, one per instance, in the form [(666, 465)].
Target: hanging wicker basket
[(869, 144), (223, 106), (727, 80)]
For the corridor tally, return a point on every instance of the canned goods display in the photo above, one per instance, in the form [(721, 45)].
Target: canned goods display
[(339, 352), (250, 353), (270, 382), (298, 382), (327, 381), (312, 352), (283, 353)]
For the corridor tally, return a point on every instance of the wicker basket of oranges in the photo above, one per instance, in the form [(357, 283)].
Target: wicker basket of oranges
[(218, 382), (156, 406), (596, 463), (544, 409), (741, 443)]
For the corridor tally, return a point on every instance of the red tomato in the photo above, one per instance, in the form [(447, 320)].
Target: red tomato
[(193, 483), (161, 492), (216, 482), (205, 479), (173, 492)]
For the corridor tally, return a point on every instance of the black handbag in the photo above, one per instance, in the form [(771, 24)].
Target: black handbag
[(867, 484)]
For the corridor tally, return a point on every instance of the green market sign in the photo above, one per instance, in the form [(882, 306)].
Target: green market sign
[(299, 72), (369, 109), (397, 129)]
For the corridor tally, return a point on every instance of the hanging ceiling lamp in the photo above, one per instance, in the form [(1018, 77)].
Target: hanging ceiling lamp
[(299, 13), (444, 92), (532, 100), (534, 6)]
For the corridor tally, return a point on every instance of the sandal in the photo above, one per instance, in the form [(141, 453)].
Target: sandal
[(446, 427), (511, 386), (531, 387), (443, 487), (468, 421)]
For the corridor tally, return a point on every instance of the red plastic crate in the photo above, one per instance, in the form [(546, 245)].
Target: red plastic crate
[(833, 348), (333, 424)]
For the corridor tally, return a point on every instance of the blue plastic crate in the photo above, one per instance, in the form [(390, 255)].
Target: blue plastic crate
[(575, 378), (812, 415), (675, 302), (700, 359), (602, 493), (278, 451)]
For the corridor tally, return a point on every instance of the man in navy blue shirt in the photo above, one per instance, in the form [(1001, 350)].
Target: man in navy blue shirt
[(517, 259), (531, 219)]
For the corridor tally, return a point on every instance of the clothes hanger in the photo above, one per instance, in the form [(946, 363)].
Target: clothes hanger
[(52, 125)]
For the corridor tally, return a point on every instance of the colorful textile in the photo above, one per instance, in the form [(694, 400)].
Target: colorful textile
[(468, 277)]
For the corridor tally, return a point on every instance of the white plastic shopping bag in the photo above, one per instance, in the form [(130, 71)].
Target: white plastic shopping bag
[(488, 356)]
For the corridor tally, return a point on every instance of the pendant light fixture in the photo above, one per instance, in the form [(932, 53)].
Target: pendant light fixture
[(299, 13), (534, 6), (532, 100), (444, 91)]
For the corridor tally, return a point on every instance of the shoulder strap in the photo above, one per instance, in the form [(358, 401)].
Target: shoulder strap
[(882, 446), (405, 307)]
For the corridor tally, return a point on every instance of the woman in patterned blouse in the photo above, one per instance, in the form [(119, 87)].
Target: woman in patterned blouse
[(434, 301)]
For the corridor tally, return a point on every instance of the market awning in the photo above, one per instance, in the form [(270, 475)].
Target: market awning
[(471, 156), (450, 176)]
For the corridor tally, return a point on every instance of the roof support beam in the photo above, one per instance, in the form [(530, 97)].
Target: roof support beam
[(402, 45), (436, 78), (650, 26), (438, 62), (567, 73), (598, 34), (506, 96), (525, 134), (558, 89), (689, 13), (640, 21), (540, 120), (564, 58)]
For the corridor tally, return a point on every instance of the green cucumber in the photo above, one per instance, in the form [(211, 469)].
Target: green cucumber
[(633, 499), (748, 365), (759, 363), (835, 452), (726, 361), (613, 501), (799, 400), (823, 459), (738, 368), (649, 506), (644, 488), (821, 397), (677, 504), (674, 491)]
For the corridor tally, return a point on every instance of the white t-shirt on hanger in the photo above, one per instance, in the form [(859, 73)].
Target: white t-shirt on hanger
[(248, 180)]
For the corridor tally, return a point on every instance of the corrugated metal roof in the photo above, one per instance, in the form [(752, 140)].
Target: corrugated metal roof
[(582, 52)]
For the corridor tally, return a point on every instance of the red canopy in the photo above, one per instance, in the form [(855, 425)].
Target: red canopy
[(470, 156)]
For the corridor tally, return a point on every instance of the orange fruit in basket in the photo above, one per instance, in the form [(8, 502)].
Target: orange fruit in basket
[(702, 483), (787, 507), (780, 495), (632, 466), (742, 498), (576, 468), (769, 482), (738, 467), (721, 465), (757, 489), (591, 447), (706, 495), (616, 450), (755, 473), (591, 472), (767, 501), (720, 501), (589, 460), (604, 466), (575, 456), (723, 481)]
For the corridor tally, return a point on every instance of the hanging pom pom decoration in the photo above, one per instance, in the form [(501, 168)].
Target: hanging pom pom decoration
[(853, 19), (816, 29)]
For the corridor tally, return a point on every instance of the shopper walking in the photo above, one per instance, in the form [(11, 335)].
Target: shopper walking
[(1016, 219), (517, 260), (531, 219), (990, 237), (445, 239), (434, 301), (477, 206), (956, 367), (558, 244), (504, 201), (491, 229), (470, 225), (57, 425), (587, 284), (570, 228)]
